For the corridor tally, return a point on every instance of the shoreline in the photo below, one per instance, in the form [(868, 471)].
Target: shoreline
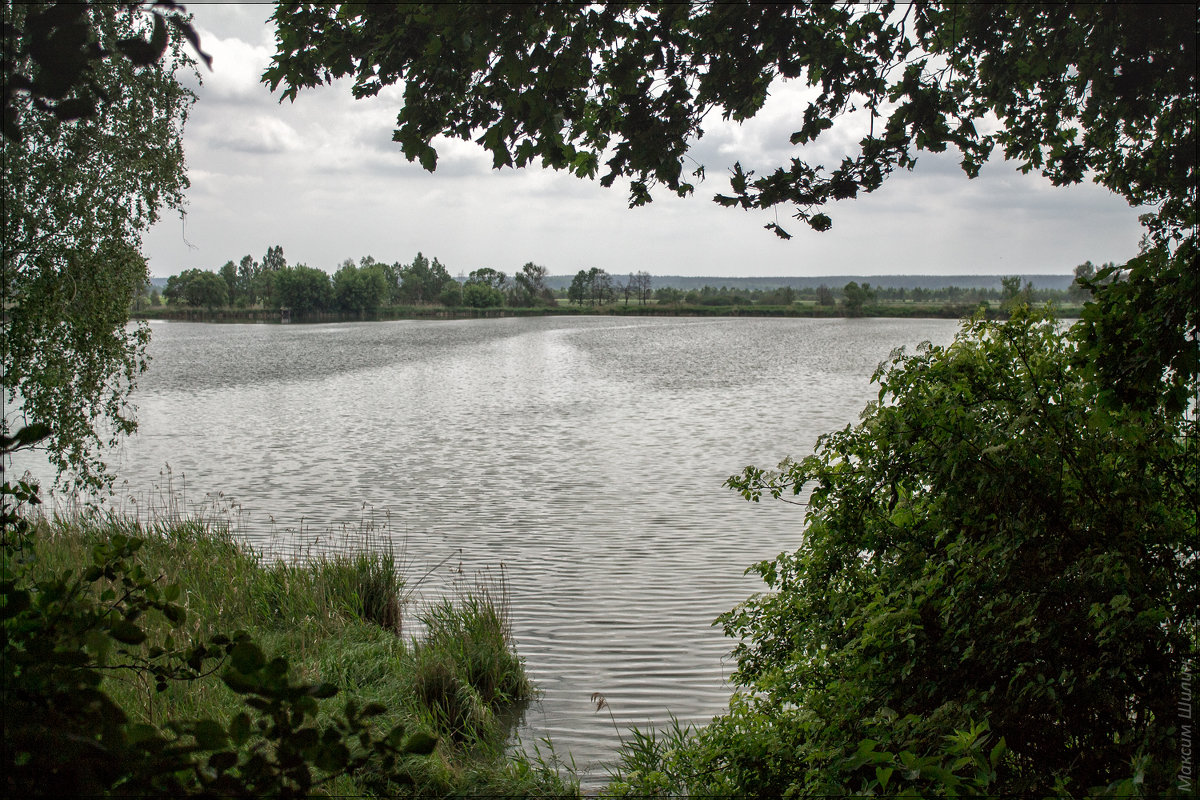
[(889, 311)]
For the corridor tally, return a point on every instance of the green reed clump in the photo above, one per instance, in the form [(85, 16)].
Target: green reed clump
[(466, 668), (363, 585), (367, 585), (452, 703), (656, 763)]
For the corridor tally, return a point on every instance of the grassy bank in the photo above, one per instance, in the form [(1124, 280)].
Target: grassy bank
[(339, 619)]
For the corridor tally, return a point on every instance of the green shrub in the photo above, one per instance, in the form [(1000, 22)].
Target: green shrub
[(996, 543)]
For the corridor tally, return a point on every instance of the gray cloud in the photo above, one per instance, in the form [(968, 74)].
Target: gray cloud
[(258, 135)]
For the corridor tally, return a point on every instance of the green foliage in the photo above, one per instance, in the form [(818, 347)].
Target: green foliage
[(423, 281), (562, 84), (198, 288), (304, 289), (641, 284), (654, 763), (362, 585), (274, 261), (51, 54), (247, 268), (452, 294), (996, 593), (1085, 273), (578, 290), (489, 277), (336, 616), (480, 295), (465, 668), (1142, 328), (68, 356), (595, 286), (992, 544), (485, 288), (855, 297), (752, 752), (1012, 296), (358, 290), (233, 288), (82, 182), (530, 285)]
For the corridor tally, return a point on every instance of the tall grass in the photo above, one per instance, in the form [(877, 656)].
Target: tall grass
[(365, 586), (465, 666), (339, 617), (657, 763)]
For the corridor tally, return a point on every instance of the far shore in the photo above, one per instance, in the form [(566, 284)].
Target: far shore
[(276, 316)]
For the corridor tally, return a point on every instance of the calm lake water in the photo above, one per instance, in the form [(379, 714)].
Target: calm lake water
[(585, 455)]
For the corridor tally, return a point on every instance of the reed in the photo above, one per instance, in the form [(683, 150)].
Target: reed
[(465, 668)]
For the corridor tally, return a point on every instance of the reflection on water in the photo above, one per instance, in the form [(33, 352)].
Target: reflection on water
[(585, 454)]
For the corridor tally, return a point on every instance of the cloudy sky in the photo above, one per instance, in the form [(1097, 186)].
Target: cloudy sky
[(322, 178)]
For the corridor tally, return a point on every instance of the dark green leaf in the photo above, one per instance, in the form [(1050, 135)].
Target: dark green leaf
[(420, 743)]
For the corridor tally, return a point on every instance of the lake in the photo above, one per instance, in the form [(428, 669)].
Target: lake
[(584, 454)]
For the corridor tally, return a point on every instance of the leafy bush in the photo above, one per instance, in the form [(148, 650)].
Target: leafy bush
[(755, 752), (995, 543)]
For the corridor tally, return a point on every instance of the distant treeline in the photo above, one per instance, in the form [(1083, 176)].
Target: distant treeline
[(855, 296), (252, 289), (363, 288)]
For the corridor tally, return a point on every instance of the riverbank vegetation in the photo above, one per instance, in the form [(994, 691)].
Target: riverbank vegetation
[(372, 290), (170, 658)]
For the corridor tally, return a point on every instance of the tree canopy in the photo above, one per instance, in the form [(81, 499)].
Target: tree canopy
[(52, 52), (92, 153), (1078, 90), (197, 287)]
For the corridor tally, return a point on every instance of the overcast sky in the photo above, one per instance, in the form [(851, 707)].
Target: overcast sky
[(322, 178)]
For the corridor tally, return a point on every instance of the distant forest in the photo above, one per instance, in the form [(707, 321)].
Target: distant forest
[(249, 288)]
